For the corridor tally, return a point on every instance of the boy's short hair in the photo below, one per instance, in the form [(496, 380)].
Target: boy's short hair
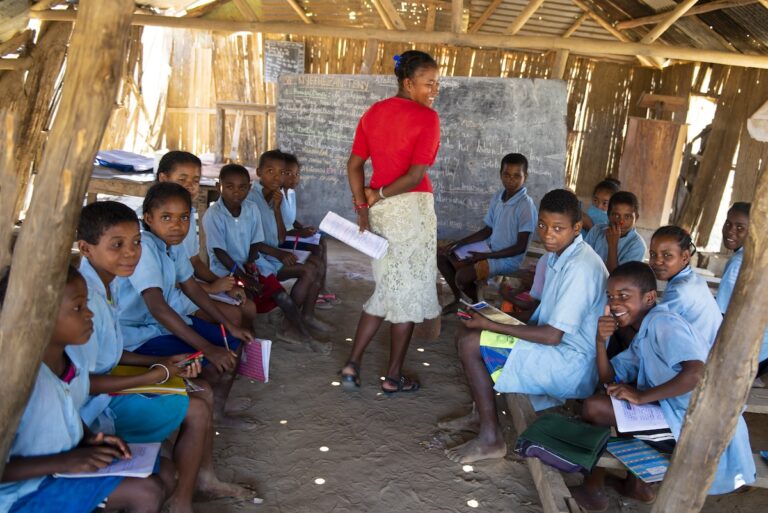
[(514, 159), (271, 155), (742, 207), (290, 158), (5, 274), (624, 198), (175, 158), (98, 217), (233, 170), (639, 273), (561, 201), (609, 184), (162, 192)]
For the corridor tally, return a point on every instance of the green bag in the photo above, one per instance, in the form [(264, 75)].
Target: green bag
[(566, 444)]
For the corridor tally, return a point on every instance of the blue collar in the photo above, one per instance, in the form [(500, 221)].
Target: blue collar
[(687, 271), (515, 197), (147, 236), (556, 262), (92, 278)]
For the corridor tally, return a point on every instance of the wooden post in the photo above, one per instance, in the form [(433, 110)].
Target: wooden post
[(8, 184), (717, 402), (369, 57), (221, 130), (42, 253), (457, 16), (558, 65)]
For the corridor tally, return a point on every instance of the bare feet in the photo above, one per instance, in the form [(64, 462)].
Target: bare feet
[(212, 486), (477, 449), (635, 488), (590, 500), (174, 505), (469, 422)]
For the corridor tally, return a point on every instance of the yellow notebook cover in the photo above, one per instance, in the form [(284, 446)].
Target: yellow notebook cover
[(174, 385)]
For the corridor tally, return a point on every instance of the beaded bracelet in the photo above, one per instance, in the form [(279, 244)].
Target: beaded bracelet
[(361, 206), (167, 372)]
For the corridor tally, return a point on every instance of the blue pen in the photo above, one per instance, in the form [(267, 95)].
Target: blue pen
[(618, 382), (234, 268)]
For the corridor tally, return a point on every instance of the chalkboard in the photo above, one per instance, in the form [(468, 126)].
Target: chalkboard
[(481, 120), (282, 57)]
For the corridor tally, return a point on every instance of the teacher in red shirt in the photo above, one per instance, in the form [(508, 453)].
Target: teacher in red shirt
[(401, 136)]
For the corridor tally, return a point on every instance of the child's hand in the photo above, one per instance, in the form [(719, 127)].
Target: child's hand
[(277, 199), (477, 322), (446, 249), (241, 333), (475, 257), (287, 258), (191, 370), (89, 459), (307, 231), (362, 220), (222, 359), (625, 393), (606, 325), (100, 439), (253, 285), (613, 234), (237, 293), (224, 284)]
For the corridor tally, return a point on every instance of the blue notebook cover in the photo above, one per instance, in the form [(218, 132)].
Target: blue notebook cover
[(640, 458)]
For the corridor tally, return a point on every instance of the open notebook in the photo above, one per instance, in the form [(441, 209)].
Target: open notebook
[(141, 464)]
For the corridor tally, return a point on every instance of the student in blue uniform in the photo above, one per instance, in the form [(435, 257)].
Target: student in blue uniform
[(734, 235), (267, 194), (597, 213), (552, 358), (51, 438), (687, 293), (233, 231), (664, 363), (618, 242), (109, 242), (510, 220), (149, 324)]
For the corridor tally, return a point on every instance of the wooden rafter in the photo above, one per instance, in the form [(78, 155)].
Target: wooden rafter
[(392, 14), (487, 13), (525, 15), (383, 15), (457, 16), (671, 18), (699, 9), (576, 24), (431, 15), (206, 8), (246, 10), (502, 41), (14, 43), (764, 3), (300, 11)]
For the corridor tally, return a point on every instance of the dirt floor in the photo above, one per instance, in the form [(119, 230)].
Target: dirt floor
[(384, 454)]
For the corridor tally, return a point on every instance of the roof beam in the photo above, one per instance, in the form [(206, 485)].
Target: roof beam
[(503, 41), (671, 18), (457, 16), (487, 13), (392, 14), (383, 15), (699, 9), (576, 24), (300, 11), (524, 16), (246, 10)]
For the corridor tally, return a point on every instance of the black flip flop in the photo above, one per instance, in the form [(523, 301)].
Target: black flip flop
[(400, 383), (351, 380)]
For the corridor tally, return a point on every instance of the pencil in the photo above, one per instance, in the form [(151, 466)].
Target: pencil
[(296, 242), (224, 336)]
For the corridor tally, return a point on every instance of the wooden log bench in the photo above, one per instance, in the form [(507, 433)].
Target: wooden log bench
[(554, 494)]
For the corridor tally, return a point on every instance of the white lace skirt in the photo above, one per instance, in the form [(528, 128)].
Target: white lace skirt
[(406, 275)]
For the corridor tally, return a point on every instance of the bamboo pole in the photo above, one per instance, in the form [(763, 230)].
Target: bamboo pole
[(717, 402), (484, 17), (558, 65), (576, 24), (369, 56), (672, 17), (506, 42), (392, 14), (525, 15), (699, 9), (457, 16), (8, 185), (300, 11), (42, 253), (431, 15), (383, 14)]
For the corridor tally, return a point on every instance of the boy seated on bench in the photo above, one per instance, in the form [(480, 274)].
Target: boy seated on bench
[(664, 363), (552, 358)]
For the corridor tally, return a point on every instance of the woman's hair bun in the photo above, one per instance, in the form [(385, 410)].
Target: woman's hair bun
[(407, 63)]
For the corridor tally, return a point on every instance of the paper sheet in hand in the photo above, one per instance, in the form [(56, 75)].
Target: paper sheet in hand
[(347, 232), (223, 297), (140, 465), (462, 252), (301, 256), (637, 417), (314, 239), (493, 314)]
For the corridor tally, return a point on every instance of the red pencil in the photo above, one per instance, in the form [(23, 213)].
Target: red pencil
[(224, 336), (296, 242)]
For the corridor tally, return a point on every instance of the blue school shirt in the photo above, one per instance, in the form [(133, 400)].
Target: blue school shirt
[(725, 291), (288, 208), (597, 216), (267, 264), (631, 246), (665, 340), (688, 295), (105, 347), (235, 235), (572, 300), (507, 219), (162, 267), (50, 423)]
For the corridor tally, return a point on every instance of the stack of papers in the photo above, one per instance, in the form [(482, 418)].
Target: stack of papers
[(348, 232), (493, 314), (462, 252)]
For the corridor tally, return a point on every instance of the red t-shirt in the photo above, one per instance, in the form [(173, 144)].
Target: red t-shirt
[(397, 133)]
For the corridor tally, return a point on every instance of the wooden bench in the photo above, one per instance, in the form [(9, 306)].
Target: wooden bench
[(757, 402)]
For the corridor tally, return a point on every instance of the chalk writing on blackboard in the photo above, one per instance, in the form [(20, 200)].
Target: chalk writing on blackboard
[(281, 57)]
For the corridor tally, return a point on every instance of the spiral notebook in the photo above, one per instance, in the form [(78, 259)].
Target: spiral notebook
[(254, 362)]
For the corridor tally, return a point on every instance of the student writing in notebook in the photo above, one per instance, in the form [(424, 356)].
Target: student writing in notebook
[(510, 220), (110, 244), (51, 437), (234, 231), (664, 363)]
